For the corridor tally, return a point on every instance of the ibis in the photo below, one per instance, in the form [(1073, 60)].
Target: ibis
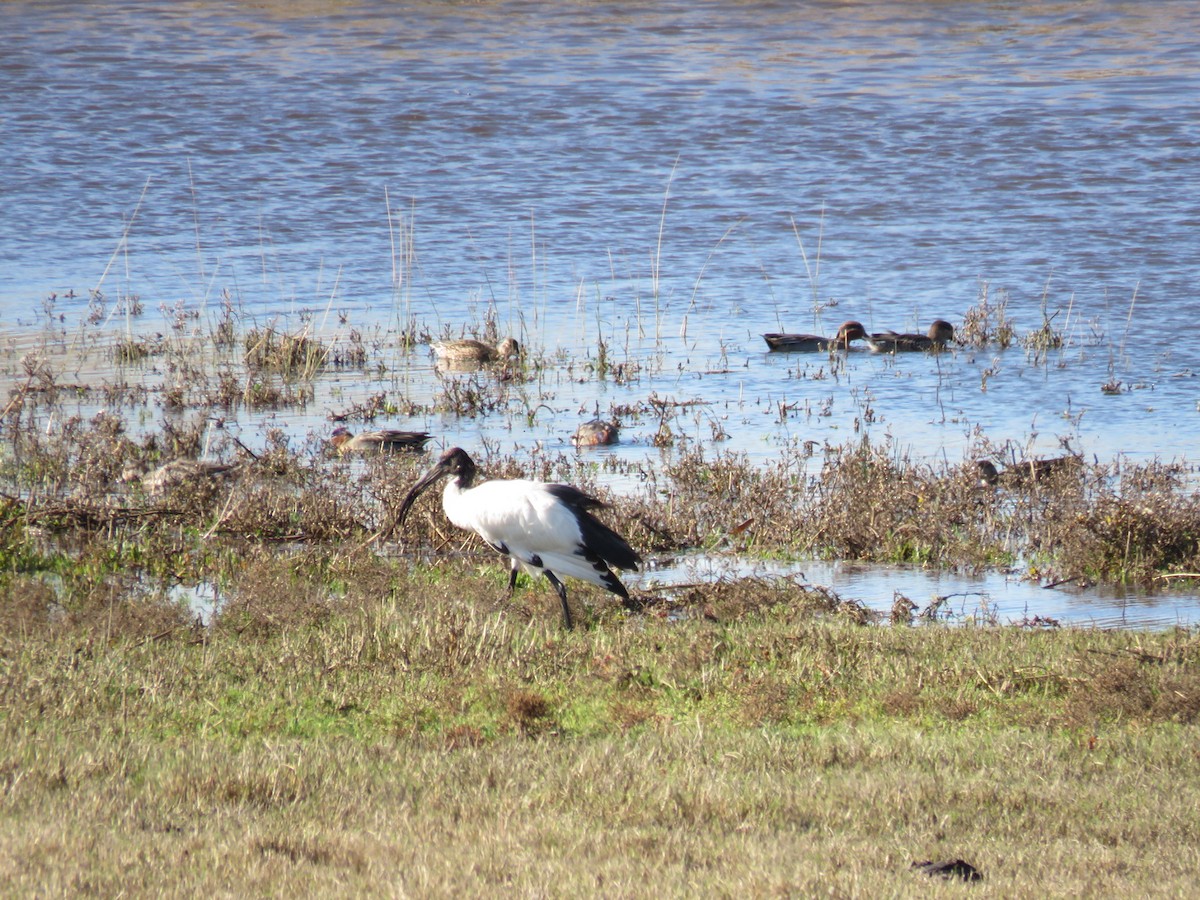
[(539, 526), (849, 331), (939, 335), (387, 440)]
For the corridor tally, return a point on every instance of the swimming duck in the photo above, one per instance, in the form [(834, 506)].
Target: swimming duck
[(595, 433), (849, 331), (940, 333), (470, 350), (386, 441)]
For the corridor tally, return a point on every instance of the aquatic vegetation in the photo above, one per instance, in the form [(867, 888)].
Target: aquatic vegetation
[(326, 638), (862, 499), (292, 355), (987, 321)]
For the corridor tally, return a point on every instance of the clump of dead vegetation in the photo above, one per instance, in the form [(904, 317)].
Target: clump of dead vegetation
[(299, 354), (987, 321)]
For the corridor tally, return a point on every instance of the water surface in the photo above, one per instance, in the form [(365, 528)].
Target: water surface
[(671, 180)]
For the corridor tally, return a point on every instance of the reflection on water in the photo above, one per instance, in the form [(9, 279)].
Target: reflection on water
[(637, 195), (989, 598), (203, 599)]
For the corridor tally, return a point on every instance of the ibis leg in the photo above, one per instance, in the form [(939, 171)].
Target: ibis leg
[(512, 577), (562, 595)]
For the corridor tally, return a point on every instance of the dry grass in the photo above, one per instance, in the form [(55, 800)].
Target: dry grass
[(293, 355), (1085, 522), (406, 734), (987, 322)]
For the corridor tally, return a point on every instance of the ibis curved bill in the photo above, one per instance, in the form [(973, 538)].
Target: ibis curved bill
[(541, 527)]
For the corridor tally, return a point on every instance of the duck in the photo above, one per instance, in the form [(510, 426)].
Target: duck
[(596, 433), (178, 472), (469, 350), (384, 441), (783, 342), (1027, 471), (939, 335)]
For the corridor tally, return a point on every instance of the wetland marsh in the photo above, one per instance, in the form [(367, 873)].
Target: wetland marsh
[(229, 231)]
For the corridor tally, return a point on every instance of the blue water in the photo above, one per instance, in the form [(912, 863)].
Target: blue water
[(673, 181)]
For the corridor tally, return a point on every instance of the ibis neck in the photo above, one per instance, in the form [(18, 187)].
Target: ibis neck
[(456, 510)]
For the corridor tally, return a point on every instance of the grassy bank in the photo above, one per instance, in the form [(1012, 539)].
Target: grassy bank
[(412, 736)]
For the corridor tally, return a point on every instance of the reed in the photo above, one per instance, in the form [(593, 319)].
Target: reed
[(813, 271), (987, 323)]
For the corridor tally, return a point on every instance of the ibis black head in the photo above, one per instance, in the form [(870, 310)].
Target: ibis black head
[(455, 463)]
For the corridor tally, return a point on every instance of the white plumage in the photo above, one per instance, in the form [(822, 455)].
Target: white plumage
[(542, 527)]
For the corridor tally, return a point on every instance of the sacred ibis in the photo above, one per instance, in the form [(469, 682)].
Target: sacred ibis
[(849, 331), (541, 527)]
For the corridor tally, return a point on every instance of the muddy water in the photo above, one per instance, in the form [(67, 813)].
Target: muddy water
[(671, 181)]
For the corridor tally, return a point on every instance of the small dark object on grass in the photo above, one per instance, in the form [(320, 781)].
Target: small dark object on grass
[(541, 527), (949, 869)]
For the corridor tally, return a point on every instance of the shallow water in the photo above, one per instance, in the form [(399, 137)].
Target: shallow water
[(991, 598), (986, 599), (671, 181)]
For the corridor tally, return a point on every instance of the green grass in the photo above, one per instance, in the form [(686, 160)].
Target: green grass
[(414, 735)]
